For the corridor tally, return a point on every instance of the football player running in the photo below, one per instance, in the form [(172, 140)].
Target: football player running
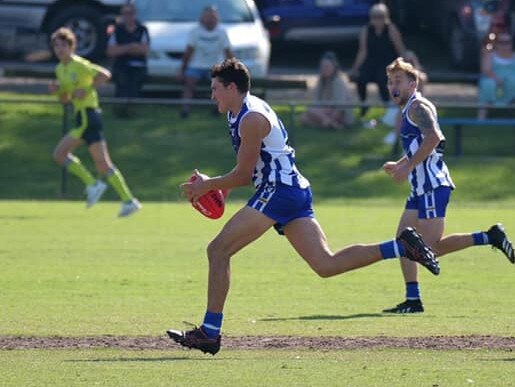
[(282, 200), (77, 82), (431, 185)]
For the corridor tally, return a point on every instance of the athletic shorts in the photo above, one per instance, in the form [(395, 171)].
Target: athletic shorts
[(198, 74), (282, 203), (432, 204), (88, 126)]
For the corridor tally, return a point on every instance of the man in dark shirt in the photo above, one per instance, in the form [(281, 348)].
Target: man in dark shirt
[(129, 45)]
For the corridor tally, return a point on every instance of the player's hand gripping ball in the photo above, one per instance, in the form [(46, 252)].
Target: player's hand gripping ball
[(211, 204)]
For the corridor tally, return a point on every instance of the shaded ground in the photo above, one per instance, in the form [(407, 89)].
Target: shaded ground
[(265, 342)]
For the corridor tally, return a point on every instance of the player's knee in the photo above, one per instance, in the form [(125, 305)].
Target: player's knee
[(323, 270), (216, 252), (103, 167), (59, 156)]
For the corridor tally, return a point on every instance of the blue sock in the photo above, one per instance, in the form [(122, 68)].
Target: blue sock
[(480, 238), (212, 323), (412, 291), (392, 249)]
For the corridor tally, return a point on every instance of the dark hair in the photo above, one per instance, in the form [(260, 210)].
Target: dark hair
[(232, 70), (331, 56)]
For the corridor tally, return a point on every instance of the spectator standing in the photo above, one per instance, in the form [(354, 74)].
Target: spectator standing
[(497, 82), (208, 44), (330, 87), (129, 45), (380, 42)]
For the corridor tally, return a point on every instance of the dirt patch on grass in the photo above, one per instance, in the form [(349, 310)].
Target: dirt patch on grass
[(264, 342)]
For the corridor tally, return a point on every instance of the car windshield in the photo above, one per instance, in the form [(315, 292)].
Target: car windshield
[(230, 11)]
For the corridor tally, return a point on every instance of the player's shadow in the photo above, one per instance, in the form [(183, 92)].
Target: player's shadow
[(327, 317), (135, 359), (507, 359)]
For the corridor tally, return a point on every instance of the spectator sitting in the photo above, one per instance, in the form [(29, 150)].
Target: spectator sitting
[(497, 82), (129, 45), (208, 44), (330, 88), (380, 42)]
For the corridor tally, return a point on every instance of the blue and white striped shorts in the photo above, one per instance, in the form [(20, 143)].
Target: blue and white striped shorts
[(282, 203), (432, 204)]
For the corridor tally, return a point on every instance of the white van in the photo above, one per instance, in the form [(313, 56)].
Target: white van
[(169, 23)]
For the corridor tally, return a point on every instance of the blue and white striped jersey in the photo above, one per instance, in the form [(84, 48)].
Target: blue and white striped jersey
[(276, 163), (432, 172)]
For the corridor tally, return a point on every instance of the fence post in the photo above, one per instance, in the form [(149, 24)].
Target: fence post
[(67, 112)]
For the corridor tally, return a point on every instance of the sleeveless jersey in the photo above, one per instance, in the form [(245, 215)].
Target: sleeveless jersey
[(432, 172), (276, 163)]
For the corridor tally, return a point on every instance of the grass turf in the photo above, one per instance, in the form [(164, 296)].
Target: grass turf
[(71, 271), (258, 368), (67, 271), (156, 151)]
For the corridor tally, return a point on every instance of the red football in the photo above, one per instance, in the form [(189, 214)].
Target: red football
[(211, 204)]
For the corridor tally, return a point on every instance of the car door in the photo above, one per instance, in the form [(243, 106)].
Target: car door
[(22, 14)]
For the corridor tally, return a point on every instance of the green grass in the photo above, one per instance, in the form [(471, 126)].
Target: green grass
[(69, 271), (157, 151), (258, 368)]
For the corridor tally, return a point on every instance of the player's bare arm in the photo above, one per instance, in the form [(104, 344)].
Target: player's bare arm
[(425, 119), (253, 128), (102, 77)]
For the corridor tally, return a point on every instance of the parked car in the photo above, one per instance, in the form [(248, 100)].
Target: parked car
[(169, 24), (314, 21), (463, 25), (24, 24)]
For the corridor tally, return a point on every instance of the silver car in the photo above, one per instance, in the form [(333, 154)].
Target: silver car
[(26, 24), (169, 23)]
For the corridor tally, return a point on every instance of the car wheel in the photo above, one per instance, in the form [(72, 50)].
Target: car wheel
[(87, 24), (463, 48)]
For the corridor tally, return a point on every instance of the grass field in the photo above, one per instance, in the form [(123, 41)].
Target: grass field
[(68, 273), (377, 368), (157, 151), (73, 272)]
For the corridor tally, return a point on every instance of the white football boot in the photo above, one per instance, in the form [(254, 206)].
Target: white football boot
[(94, 192), (129, 208)]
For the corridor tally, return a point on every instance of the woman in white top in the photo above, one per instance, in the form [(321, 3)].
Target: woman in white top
[(330, 88), (497, 82)]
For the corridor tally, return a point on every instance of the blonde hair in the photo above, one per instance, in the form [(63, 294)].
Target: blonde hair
[(66, 35), (407, 68), (380, 9)]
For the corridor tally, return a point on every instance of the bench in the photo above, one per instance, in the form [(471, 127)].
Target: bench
[(459, 123)]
